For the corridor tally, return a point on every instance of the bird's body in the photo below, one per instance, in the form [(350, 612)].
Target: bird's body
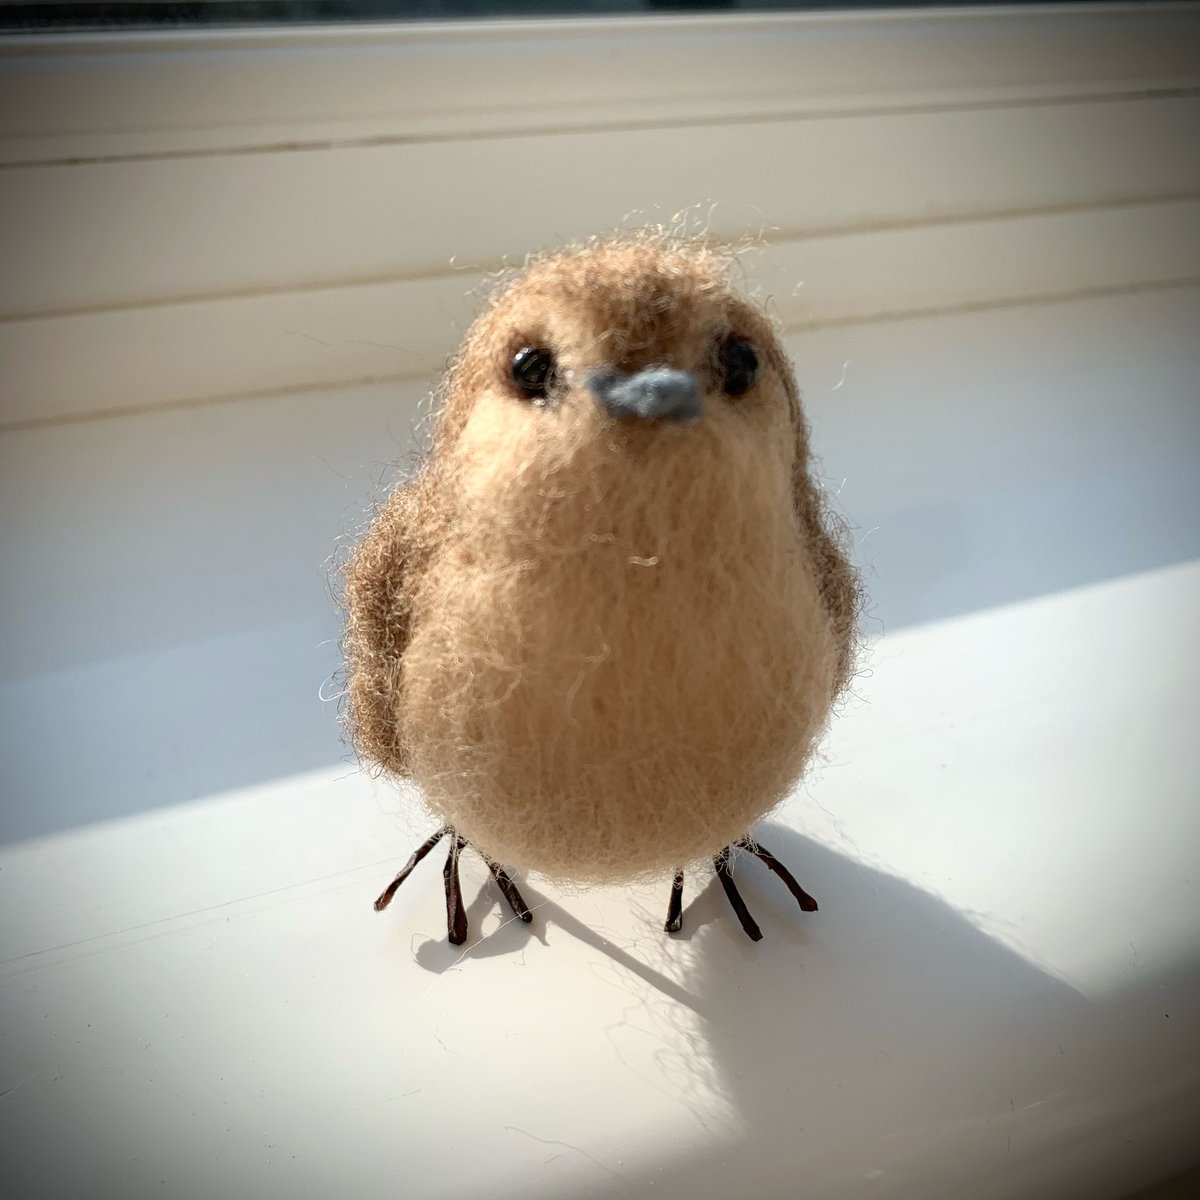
[(604, 637)]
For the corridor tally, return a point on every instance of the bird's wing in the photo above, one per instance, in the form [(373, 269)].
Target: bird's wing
[(380, 579), (826, 538)]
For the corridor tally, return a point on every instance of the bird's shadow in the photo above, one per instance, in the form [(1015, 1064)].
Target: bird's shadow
[(893, 1018), (513, 936), (510, 937), (887, 1013)]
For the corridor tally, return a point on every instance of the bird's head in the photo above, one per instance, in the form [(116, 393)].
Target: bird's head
[(628, 354)]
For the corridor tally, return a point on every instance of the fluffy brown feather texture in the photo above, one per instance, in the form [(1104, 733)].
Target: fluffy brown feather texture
[(603, 649)]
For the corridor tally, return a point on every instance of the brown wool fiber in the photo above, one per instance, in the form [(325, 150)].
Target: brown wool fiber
[(603, 649)]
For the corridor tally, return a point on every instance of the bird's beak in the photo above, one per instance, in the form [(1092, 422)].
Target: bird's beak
[(655, 394)]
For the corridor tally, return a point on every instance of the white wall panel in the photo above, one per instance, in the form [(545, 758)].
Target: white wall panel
[(173, 353), (168, 93), (133, 233)]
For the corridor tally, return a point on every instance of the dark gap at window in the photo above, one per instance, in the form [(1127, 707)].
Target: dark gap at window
[(21, 16)]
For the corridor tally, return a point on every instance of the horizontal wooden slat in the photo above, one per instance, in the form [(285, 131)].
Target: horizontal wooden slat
[(95, 362), (198, 91), (135, 233), (931, 268)]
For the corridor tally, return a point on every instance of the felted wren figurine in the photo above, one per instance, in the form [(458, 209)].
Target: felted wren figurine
[(605, 623)]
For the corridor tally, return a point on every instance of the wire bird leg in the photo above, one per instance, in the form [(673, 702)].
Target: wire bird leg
[(724, 872), (456, 913), (675, 907), (725, 875)]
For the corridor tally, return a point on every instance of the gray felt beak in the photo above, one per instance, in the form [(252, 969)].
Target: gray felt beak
[(655, 394)]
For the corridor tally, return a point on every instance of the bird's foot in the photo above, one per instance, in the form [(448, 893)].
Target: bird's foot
[(725, 874), (456, 913)]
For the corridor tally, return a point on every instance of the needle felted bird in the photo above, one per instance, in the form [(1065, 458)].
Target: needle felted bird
[(604, 624)]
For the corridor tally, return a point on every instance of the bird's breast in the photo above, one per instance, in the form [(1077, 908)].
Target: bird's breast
[(600, 690)]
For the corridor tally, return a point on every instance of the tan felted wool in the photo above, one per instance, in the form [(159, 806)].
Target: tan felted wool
[(603, 648)]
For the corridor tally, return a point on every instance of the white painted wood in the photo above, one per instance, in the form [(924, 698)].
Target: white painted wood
[(166, 93), (134, 233), (998, 996), (197, 350), (308, 208)]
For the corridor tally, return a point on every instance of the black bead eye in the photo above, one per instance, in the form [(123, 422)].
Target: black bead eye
[(738, 366), (533, 371)]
